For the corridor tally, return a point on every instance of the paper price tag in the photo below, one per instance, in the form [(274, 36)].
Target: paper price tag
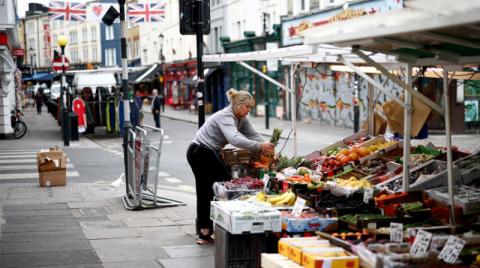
[(298, 207), (396, 232), (265, 180), (452, 249), (420, 245), (367, 195)]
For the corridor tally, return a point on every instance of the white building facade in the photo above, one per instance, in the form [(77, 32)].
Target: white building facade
[(84, 46), (8, 41), (37, 41)]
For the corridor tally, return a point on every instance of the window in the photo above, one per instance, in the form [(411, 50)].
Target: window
[(84, 34), (30, 27), (74, 54), (93, 33), (215, 40), (85, 54), (109, 33), (110, 57), (239, 30), (94, 55)]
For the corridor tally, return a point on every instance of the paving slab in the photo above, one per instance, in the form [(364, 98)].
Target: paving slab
[(94, 211), (86, 204), (106, 229), (189, 229), (190, 251), (34, 227), (34, 207), (166, 236), (40, 219), (42, 212), (49, 259), (42, 236), (44, 246), (137, 264), (127, 250), (145, 222), (190, 262)]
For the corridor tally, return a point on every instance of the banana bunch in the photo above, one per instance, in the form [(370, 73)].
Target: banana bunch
[(287, 198), (259, 197), (354, 183)]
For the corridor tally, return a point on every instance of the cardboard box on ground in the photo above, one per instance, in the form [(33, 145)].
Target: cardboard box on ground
[(394, 113), (52, 167)]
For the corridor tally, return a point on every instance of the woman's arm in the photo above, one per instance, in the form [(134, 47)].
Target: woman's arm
[(234, 137), (247, 129)]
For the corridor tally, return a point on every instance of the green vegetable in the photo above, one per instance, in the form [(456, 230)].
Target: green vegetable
[(277, 132)]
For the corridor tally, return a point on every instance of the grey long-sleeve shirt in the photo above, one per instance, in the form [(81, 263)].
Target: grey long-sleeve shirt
[(224, 127)]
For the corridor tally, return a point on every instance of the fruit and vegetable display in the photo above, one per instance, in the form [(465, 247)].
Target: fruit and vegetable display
[(351, 193)]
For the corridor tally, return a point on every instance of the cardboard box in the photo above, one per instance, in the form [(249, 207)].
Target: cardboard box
[(313, 260), (296, 248), (394, 114), (53, 178), (284, 243), (52, 167), (239, 217), (308, 224), (277, 261)]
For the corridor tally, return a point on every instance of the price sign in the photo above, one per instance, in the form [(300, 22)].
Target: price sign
[(298, 207), (452, 249), (367, 195), (265, 180), (420, 245), (396, 232)]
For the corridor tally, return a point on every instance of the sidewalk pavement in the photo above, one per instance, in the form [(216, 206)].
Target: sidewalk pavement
[(320, 135), (85, 224)]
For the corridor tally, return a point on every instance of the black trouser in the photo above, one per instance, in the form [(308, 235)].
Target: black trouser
[(207, 168), (156, 117), (39, 107)]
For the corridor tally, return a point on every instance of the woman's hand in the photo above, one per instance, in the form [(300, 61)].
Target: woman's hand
[(267, 147)]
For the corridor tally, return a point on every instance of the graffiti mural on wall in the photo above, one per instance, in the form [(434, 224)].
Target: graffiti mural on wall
[(327, 97)]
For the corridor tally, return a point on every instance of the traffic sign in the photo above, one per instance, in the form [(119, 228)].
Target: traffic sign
[(57, 64)]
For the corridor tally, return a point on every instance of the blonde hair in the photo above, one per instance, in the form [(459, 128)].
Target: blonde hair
[(239, 97)]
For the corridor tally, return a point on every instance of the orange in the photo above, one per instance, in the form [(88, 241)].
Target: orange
[(363, 151), (353, 156)]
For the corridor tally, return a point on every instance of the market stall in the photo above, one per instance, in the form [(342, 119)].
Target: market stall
[(365, 200)]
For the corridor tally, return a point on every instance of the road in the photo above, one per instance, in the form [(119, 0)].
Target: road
[(98, 158)]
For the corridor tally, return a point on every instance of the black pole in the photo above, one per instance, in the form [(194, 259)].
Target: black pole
[(65, 118), (356, 107), (126, 104), (267, 105), (201, 77)]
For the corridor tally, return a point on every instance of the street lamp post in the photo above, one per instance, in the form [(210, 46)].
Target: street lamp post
[(62, 41), (162, 79)]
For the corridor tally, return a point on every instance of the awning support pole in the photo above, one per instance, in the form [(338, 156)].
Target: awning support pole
[(293, 106), (371, 110), (264, 76), (407, 129), (409, 88), (374, 83), (446, 101)]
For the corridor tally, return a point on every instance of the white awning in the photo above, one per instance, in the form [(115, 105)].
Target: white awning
[(146, 73), (94, 80)]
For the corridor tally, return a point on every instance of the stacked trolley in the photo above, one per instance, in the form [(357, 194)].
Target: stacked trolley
[(143, 161)]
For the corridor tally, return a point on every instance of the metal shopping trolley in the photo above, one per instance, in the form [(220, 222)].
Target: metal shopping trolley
[(143, 160)]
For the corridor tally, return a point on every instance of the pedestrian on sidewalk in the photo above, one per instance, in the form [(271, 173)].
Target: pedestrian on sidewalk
[(39, 100), (156, 105), (229, 125)]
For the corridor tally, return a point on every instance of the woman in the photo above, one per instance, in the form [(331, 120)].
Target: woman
[(226, 126)]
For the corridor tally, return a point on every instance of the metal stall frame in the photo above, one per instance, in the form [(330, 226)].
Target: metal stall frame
[(424, 26), (140, 150), (296, 56)]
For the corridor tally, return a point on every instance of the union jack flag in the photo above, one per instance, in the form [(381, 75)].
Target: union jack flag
[(65, 10), (146, 12)]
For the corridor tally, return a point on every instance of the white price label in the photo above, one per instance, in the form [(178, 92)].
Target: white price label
[(396, 232), (452, 249), (265, 180), (420, 245), (298, 207), (367, 195)]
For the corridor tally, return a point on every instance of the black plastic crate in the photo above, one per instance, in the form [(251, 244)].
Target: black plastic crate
[(242, 250)]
